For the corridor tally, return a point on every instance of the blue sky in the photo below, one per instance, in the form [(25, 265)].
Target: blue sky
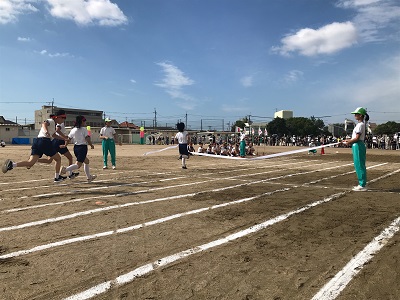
[(210, 60)]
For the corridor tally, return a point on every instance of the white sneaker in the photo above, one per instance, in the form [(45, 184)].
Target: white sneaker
[(360, 188), (105, 167), (114, 167), (92, 177)]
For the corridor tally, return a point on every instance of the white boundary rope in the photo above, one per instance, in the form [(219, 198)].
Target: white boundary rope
[(253, 158), (167, 148), (269, 155)]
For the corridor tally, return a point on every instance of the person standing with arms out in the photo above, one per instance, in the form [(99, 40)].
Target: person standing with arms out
[(81, 138), (57, 142), (108, 137), (182, 139), (41, 145), (358, 148)]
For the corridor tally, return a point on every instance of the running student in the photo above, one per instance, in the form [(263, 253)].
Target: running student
[(358, 148), (42, 145), (80, 136), (57, 142), (182, 139)]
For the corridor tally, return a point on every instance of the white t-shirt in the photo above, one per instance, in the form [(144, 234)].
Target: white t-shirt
[(107, 132), (182, 137), (78, 135), (51, 128), (359, 129), (62, 127)]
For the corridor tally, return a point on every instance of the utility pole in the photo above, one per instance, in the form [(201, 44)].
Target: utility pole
[(186, 120), (155, 118), (52, 107)]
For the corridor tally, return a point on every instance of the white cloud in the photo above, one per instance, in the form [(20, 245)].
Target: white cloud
[(11, 9), (372, 16), (83, 12), (294, 76), (57, 54), (325, 40), (247, 81), (173, 82), (133, 80), (22, 39)]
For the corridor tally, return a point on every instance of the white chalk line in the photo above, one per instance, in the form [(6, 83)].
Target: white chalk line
[(136, 183), (88, 212), (103, 187), (337, 284), (35, 180), (73, 182), (157, 221), (115, 195), (106, 196), (162, 188), (78, 214), (164, 261), (137, 226)]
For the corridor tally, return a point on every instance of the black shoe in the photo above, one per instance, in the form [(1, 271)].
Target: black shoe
[(62, 177), (7, 166), (59, 179), (184, 167), (73, 175)]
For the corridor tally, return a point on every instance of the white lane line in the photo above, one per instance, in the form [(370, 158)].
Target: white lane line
[(164, 261), (143, 191), (108, 196), (61, 218), (113, 186), (103, 187), (157, 221), (78, 214), (337, 284), (137, 226)]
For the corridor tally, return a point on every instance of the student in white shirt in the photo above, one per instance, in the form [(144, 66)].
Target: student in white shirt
[(358, 148), (182, 139), (108, 137), (80, 136), (41, 145)]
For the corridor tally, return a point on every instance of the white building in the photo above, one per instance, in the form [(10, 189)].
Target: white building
[(284, 114)]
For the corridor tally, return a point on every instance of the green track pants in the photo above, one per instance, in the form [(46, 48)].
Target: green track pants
[(359, 156), (108, 146)]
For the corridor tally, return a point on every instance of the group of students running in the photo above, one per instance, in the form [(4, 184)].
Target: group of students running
[(52, 141)]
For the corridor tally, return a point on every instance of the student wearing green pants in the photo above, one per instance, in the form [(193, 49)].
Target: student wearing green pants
[(108, 137), (358, 148)]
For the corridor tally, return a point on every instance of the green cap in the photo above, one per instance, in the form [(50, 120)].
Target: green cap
[(360, 111), (107, 120)]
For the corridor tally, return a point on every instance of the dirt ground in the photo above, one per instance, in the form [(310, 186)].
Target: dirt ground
[(60, 240)]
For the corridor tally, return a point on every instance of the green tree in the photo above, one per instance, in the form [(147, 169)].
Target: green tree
[(277, 126), (390, 127), (239, 123)]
